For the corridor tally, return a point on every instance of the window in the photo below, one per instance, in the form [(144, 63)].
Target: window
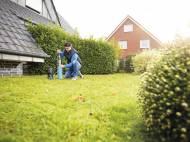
[(36, 5), (128, 28), (123, 44), (144, 43)]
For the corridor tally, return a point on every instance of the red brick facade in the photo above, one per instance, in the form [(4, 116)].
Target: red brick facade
[(133, 38)]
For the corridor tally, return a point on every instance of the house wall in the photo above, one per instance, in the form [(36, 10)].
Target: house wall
[(11, 65), (21, 2), (11, 68), (46, 11), (15, 1), (133, 39), (51, 10), (18, 58)]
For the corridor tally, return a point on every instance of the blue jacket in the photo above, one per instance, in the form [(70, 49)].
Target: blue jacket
[(72, 57)]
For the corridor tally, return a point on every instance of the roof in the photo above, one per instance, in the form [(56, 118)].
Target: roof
[(55, 12), (65, 25), (14, 37), (25, 13), (145, 30)]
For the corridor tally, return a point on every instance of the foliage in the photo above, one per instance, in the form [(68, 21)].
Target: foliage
[(165, 96), (98, 56), (126, 64), (143, 60)]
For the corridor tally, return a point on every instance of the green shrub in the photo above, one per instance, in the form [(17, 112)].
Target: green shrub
[(126, 64), (165, 96), (142, 60), (49, 38), (98, 56), (121, 65)]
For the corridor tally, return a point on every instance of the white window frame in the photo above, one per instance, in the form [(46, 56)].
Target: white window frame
[(143, 43), (128, 28), (123, 44)]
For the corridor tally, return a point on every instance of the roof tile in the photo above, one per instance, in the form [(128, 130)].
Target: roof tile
[(14, 37)]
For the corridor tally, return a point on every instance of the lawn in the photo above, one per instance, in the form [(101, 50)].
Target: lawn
[(98, 108)]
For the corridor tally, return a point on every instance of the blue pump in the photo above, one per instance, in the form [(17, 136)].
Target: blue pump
[(59, 68)]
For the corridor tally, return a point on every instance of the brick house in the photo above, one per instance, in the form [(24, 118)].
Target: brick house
[(17, 46), (133, 37)]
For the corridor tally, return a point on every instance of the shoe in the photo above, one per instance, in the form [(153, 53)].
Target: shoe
[(74, 78), (81, 76)]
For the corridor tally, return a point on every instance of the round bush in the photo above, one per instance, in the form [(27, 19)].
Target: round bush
[(165, 96), (143, 60)]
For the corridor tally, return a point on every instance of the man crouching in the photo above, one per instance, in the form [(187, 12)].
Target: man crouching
[(73, 61)]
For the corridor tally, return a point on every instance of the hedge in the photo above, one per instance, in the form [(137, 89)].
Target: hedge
[(98, 56), (165, 96)]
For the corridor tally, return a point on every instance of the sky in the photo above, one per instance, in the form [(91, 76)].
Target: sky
[(98, 18)]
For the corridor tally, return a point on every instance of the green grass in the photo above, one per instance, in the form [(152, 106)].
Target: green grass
[(35, 109)]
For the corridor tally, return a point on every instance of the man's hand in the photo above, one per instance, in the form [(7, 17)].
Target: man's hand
[(58, 51), (62, 66)]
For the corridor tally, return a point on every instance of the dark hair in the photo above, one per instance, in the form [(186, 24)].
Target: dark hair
[(67, 44)]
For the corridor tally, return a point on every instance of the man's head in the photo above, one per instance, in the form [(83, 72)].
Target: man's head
[(68, 46)]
